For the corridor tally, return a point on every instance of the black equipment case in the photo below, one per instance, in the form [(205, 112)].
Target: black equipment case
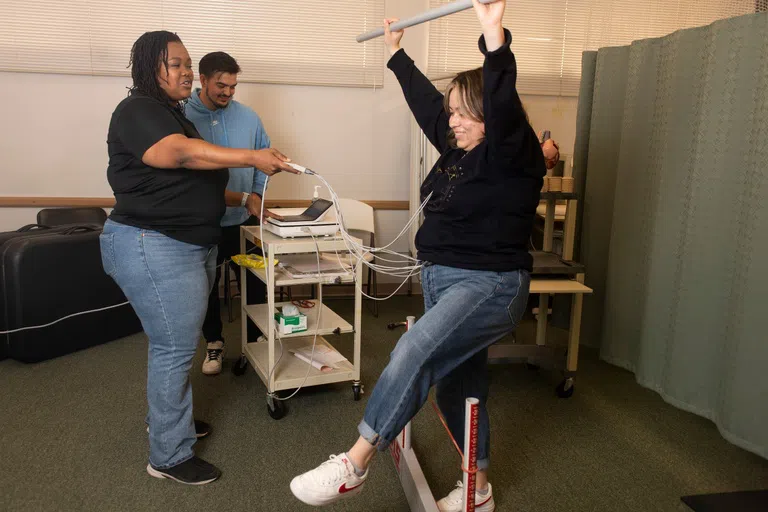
[(47, 274)]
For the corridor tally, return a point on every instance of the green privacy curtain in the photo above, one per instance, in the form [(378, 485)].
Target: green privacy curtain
[(671, 158)]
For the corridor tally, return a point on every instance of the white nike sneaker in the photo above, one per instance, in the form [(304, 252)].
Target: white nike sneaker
[(212, 363), (452, 502), (331, 481)]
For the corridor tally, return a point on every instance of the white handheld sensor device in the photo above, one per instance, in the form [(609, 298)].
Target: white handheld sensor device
[(300, 168)]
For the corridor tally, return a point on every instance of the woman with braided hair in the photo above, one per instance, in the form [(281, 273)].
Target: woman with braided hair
[(159, 243)]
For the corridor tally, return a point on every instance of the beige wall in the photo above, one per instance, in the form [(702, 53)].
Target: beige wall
[(53, 134)]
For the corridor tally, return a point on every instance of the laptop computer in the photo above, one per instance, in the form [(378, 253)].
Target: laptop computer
[(311, 214)]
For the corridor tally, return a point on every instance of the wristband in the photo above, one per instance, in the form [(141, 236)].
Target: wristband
[(245, 198)]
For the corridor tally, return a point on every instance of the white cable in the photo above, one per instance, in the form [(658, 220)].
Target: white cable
[(81, 312), (357, 249), (314, 341), (261, 217), (360, 250), (266, 264), (225, 262), (319, 312), (87, 312), (64, 318)]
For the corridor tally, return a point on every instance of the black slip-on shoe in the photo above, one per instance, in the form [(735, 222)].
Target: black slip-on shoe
[(194, 471)]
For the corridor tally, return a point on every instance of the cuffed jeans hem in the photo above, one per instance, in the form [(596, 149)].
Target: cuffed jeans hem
[(166, 466), (372, 437), (382, 444)]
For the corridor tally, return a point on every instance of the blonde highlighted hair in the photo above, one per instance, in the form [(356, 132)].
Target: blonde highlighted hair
[(469, 85)]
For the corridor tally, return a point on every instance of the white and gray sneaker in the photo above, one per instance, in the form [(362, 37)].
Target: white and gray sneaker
[(331, 481), (212, 363), (452, 502)]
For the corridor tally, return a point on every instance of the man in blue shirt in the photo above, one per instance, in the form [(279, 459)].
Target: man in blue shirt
[(222, 120)]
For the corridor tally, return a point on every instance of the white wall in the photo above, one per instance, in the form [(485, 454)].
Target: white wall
[(53, 135)]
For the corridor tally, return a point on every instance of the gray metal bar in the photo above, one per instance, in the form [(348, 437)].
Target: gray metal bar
[(437, 12)]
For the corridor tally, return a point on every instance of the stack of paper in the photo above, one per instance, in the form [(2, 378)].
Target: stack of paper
[(324, 358)]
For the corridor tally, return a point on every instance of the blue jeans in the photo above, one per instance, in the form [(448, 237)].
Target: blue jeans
[(466, 311), (167, 282)]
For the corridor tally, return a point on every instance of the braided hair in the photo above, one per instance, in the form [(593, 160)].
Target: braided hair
[(150, 50)]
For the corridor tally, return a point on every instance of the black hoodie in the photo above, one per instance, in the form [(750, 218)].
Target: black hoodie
[(483, 203)]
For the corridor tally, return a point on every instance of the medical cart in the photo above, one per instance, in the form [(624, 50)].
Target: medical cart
[(286, 371)]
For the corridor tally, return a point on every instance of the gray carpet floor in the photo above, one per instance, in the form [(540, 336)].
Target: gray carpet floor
[(72, 437)]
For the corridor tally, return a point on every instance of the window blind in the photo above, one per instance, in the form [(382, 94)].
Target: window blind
[(274, 41), (549, 36)]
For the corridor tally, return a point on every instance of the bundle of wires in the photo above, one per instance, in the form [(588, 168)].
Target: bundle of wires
[(406, 266), (403, 267)]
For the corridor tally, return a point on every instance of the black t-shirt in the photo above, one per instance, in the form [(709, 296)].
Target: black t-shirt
[(184, 204)]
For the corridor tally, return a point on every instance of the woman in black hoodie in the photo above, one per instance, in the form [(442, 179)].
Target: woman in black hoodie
[(473, 244)]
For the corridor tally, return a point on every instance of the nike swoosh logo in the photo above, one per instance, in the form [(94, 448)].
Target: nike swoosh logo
[(483, 503), (344, 487)]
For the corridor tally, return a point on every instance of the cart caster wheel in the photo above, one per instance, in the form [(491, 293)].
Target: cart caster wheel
[(276, 408), (565, 388), (240, 366), (357, 390)]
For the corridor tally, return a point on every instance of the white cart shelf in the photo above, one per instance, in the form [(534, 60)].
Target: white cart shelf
[(330, 322), (289, 372)]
